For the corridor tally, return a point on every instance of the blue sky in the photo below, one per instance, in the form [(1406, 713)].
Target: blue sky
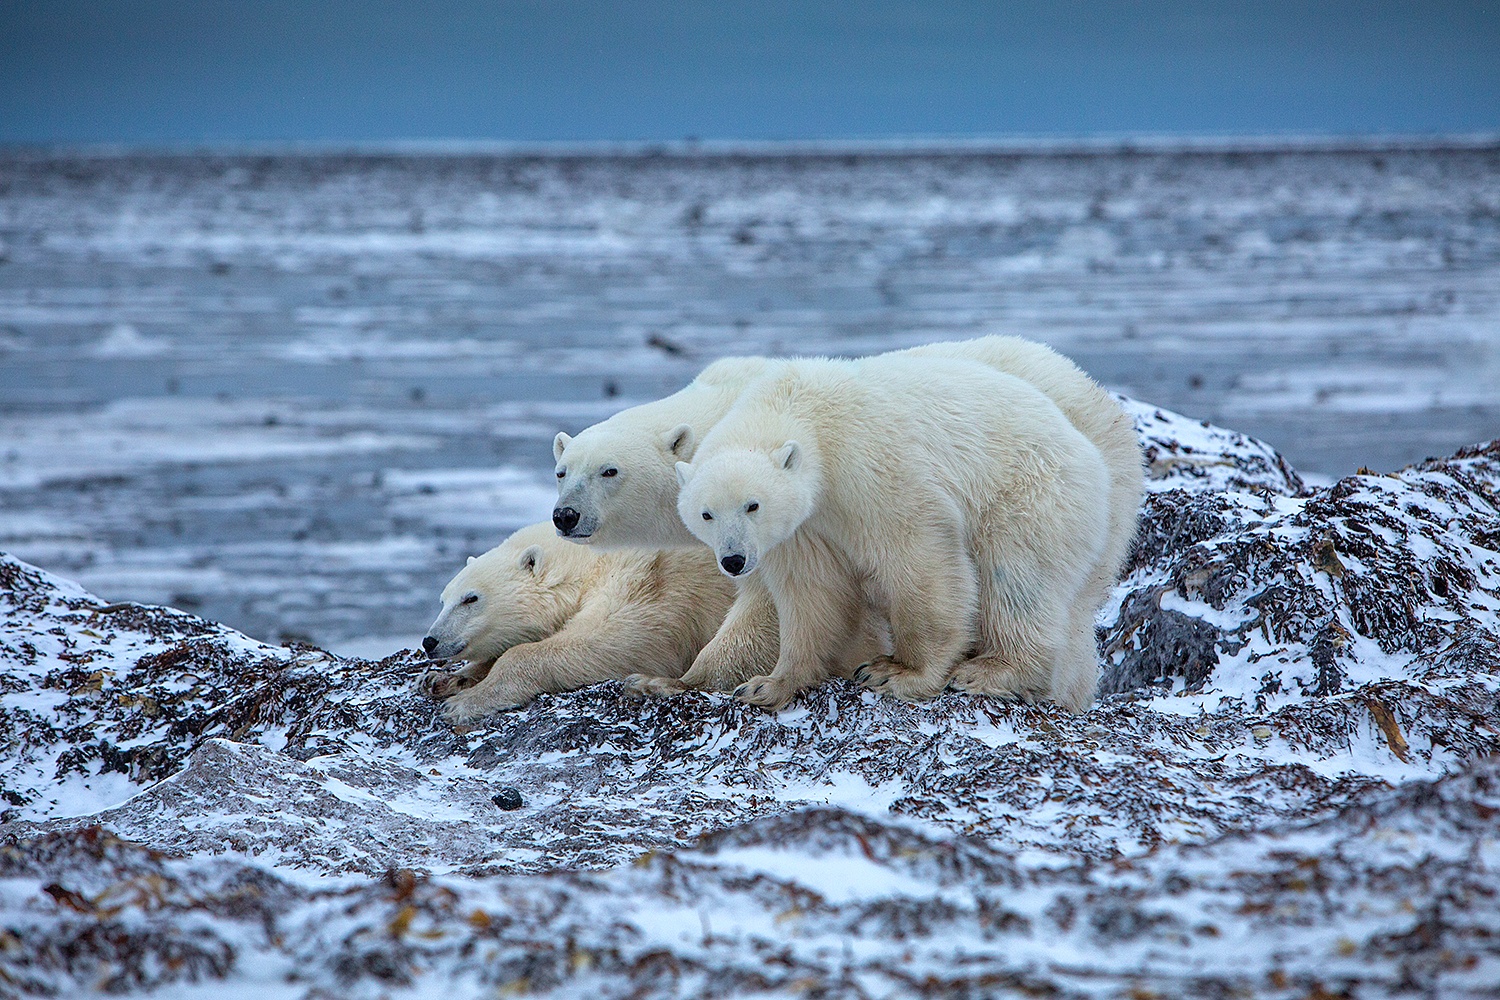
[(341, 71)]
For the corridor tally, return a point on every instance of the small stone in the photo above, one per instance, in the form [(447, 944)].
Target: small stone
[(507, 799)]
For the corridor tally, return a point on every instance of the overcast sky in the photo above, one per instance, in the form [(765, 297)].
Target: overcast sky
[(341, 70)]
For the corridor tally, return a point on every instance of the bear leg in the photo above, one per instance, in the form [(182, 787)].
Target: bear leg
[(1075, 674), (820, 614), (652, 686), (771, 691), (931, 616), (746, 645), (996, 677), (1033, 643), (497, 691)]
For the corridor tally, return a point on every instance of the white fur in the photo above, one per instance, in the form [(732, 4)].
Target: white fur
[(643, 513), (538, 614), (1088, 408), (956, 500), (636, 506)]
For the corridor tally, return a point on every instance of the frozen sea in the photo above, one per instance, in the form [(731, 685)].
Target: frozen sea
[(290, 391)]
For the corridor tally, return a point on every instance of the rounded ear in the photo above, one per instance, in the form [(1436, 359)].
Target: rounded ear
[(684, 473), (531, 559), (679, 440), (471, 561), (558, 444), (788, 456)]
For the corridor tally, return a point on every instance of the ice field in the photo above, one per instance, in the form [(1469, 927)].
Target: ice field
[(290, 392)]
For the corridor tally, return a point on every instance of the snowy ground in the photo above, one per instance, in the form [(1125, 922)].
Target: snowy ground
[(290, 393), (1292, 793)]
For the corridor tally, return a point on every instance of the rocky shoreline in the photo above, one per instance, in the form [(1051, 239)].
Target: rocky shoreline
[(1289, 788)]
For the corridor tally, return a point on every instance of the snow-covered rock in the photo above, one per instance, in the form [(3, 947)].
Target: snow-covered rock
[(1194, 455), (1289, 788)]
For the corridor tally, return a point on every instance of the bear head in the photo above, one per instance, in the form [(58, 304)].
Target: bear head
[(615, 486), (743, 503), (523, 590)]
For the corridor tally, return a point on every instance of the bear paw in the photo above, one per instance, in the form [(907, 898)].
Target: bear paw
[(888, 675), (766, 692), (441, 684), (988, 675), (651, 686), (467, 707)]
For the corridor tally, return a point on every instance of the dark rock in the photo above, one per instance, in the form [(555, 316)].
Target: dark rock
[(508, 799)]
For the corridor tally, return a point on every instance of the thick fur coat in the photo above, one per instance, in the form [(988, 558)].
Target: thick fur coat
[(954, 501), (637, 505), (538, 614)]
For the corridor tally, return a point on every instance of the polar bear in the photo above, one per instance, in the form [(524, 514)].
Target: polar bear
[(972, 519), (616, 485), (1089, 408), (537, 613)]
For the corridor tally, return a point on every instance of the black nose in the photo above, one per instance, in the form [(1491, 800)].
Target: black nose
[(429, 644), (566, 519), (733, 564)]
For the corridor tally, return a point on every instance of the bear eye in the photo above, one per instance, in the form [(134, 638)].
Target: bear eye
[(707, 516), (610, 472), (561, 473), (751, 507), (469, 599)]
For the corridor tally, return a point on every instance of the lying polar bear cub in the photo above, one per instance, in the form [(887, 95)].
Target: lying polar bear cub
[(538, 614), (957, 501)]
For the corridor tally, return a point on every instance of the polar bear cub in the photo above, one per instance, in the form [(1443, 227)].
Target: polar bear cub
[(956, 500), (537, 613)]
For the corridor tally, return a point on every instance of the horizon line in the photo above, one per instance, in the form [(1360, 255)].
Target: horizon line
[(1015, 143)]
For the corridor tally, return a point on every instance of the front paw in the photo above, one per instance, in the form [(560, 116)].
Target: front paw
[(890, 676), (879, 672), (470, 705), (766, 692), (441, 684), (651, 686)]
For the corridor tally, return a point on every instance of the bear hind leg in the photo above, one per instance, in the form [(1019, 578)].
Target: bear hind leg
[(1075, 675), (997, 677)]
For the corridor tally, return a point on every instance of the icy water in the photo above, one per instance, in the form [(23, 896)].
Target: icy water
[(292, 392)]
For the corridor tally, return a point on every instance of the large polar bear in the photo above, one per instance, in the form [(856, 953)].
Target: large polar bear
[(539, 614), (616, 485), (955, 500), (1090, 409)]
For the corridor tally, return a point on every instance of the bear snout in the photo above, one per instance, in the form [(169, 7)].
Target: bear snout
[(734, 564), (429, 644), (565, 519)]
